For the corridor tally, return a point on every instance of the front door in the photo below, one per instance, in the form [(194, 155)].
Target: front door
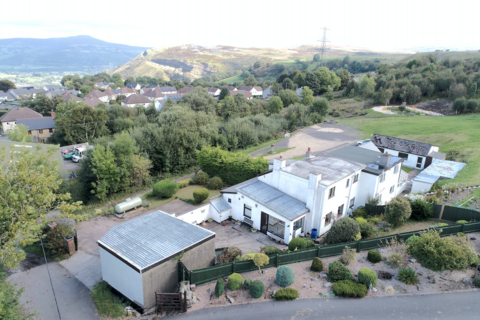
[(264, 223)]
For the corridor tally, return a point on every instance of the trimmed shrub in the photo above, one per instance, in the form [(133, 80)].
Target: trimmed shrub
[(461, 222), (421, 210), (249, 256), (200, 194), (235, 281), (297, 244), (360, 220), (447, 253), (287, 294), (260, 260), (55, 238), (344, 230), (376, 220), (367, 229), (348, 256), (442, 224), (256, 289), (412, 239), (476, 282), (337, 272), (360, 213), (407, 275), (270, 250), (367, 277), (310, 243), (247, 283), (317, 265), (398, 212), (165, 189), (374, 256), (183, 183), (215, 183), (395, 260), (229, 255), (461, 234), (285, 276), (219, 288), (201, 178), (349, 289)]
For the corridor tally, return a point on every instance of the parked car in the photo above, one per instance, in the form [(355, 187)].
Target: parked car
[(69, 156), (362, 142)]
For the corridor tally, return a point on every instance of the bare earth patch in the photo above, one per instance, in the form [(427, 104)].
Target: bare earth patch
[(310, 285)]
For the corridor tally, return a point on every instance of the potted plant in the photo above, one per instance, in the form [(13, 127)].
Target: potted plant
[(210, 220), (253, 230), (238, 222), (230, 218), (281, 242)]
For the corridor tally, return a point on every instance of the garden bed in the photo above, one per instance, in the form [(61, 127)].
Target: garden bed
[(310, 285)]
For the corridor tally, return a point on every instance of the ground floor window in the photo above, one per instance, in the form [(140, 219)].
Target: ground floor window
[(352, 203), (276, 226), (340, 210), (392, 189), (298, 224), (328, 218), (247, 211)]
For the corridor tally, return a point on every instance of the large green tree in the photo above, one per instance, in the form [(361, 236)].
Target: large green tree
[(307, 95), (29, 189), (275, 105), (327, 78), (6, 85), (289, 97), (223, 94), (344, 76), (318, 109), (200, 100), (312, 82)]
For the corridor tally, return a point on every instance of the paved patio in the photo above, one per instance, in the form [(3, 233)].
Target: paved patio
[(240, 236)]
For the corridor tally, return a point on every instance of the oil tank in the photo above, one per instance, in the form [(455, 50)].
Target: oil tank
[(128, 204)]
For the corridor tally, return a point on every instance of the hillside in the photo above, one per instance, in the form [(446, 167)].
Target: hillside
[(79, 53), (194, 61)]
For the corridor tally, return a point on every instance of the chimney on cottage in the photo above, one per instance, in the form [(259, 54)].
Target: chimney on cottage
[(307, 155), (385, 159), (279, 163), (52, 114)]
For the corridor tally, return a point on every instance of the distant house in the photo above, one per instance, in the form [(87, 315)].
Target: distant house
[(24, 93), (247, 94), (154, 94), (145, 90), (52, 93), (102, 96), (174, 97), (111, 95), (299, 92), (417, 155), (92, 101), (6, 96), (267, 93), (167, 90), (152, 86), (230, 88), (39, 128), (125, 91), (103, 85), (9, 119), (213, 91), (255, 91), (135, 86), (140, 257), (67, 96), (135, 100), (186, 90), (52, 87)]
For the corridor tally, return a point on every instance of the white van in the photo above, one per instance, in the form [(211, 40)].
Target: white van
[(79, 153)]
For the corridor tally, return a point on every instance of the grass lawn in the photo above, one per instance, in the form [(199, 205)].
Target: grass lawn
[(108, 304), (260, 146), (449, 133), (186, 193), (413, 225), (277, 151), (36, 249), (407, 170)]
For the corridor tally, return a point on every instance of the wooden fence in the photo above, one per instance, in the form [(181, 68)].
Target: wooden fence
[(212, 273)]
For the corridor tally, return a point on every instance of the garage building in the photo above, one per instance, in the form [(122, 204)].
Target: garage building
[(137, 255)]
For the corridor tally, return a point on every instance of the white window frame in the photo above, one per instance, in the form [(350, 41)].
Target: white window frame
[(392, 189), (395, 171)]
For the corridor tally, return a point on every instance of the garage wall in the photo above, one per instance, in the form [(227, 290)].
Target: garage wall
[(420, 187), (164, 278), (122, 277)]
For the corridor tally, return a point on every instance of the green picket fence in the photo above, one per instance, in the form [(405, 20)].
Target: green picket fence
[(212, 273), (375, 210)]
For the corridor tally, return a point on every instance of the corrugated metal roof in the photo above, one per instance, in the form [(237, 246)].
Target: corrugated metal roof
[(426, 178), (274, 199), (220, 204), (152, 238), (444, 168)]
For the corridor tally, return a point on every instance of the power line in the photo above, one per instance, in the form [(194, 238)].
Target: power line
[(50, 277), (323, 47)]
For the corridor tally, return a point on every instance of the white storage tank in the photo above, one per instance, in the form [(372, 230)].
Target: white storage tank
[(128, 204)]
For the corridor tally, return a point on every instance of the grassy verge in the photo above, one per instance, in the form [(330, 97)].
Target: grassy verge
[(407, 170), (449, 133), (413, 225), (260, 146), (277, 151), (185, 194), (108, 304), (36, 249)]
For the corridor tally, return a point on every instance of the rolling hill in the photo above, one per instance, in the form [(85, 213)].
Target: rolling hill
[(78, 53), (195, 61)]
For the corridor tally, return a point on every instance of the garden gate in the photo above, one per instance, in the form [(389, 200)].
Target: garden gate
[(171, 302)]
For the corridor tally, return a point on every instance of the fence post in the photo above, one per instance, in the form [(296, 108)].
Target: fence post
[(441, 212), (233, 267), (462, 227), (276, 260), (185, 301), (318, 251), (358, 246)]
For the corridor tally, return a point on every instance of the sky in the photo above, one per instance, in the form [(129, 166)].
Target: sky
[(384, 25)]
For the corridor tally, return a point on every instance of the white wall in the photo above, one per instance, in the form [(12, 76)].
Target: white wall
[(391, 179), (411, 161), (288, 183), (420, 187), (122, 277)]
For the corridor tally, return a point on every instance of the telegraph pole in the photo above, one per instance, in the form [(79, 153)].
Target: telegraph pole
[(323, 48)]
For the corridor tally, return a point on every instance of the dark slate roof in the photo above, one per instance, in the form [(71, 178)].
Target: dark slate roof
[(274, 199), (401, 145), (153, 238), (152, 85), (136, 99), (20, 113), (131, 85), (92, 101), (68, 96), (109, 92), (167, 89), (220, 204), (37, 123), (154, 93), (174, 96), (53, 87)]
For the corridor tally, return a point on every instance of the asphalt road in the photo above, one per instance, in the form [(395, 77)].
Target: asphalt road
[(439, 306)]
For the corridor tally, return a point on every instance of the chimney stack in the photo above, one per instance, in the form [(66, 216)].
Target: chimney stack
[(385, 159), (53, 114), (307, 155), (281, 157)]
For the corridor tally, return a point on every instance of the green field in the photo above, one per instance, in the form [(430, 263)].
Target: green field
[(231, 79), (449, 133)]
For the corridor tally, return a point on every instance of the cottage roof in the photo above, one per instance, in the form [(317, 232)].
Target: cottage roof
[(154, 93), (109, 92), (332, 168), (220, 204), (186, 90), (258, 88), (166, 89), (92, 101), (124, 90), (68, 96), (247, 94), (245, 88), (37, 123), (97, 93), (153, 238), (401, 145), (20, 113), (274, 199), (136, 99), (53, 87)]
